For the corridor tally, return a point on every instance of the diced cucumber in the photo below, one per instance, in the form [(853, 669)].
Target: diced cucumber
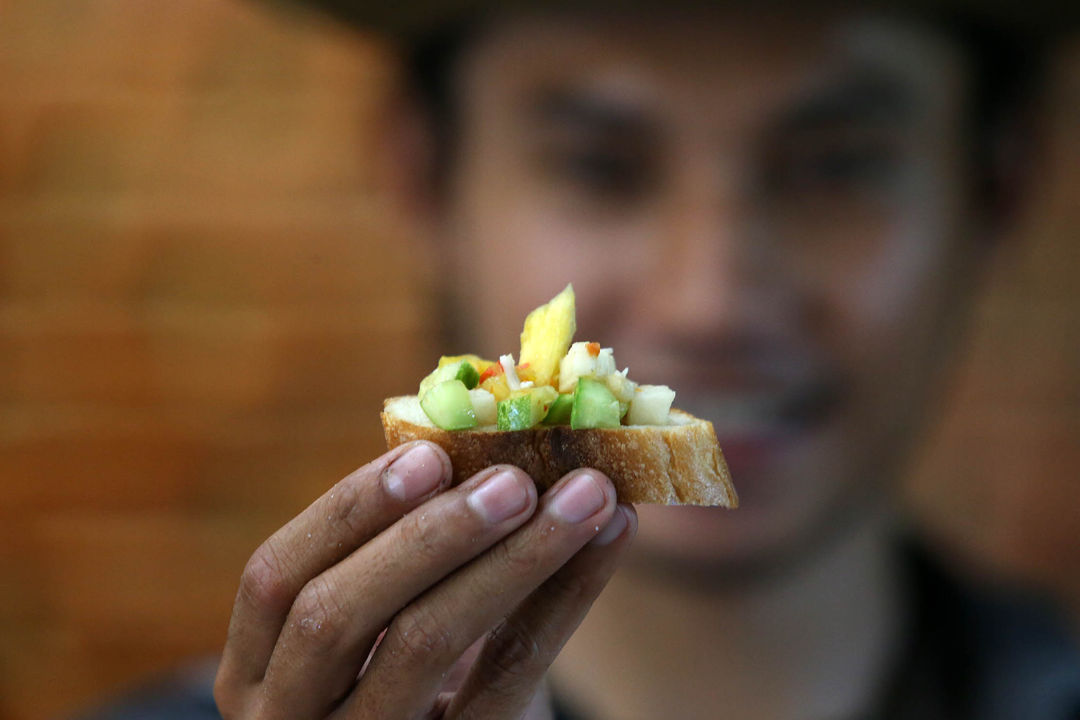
[(515, 413), (594, 406), (461, 370), (651, 405), (448, 406), (559, 414), (526, 408)]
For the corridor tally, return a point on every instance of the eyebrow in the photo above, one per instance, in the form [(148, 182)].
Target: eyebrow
[(593, 112), (869, 97)]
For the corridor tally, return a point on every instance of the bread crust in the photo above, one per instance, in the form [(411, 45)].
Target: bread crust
[(679, 464)]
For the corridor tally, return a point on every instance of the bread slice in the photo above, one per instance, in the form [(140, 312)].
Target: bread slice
[(676, 464)]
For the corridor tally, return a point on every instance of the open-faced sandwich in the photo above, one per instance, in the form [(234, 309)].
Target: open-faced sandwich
[(563, 406)]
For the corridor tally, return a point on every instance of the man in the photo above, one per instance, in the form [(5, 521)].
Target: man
[(780, 217)]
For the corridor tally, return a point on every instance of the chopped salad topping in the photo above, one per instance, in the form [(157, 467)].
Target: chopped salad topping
[(556, 382)]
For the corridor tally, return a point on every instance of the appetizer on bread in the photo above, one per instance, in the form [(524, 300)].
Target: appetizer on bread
[(563, 405)]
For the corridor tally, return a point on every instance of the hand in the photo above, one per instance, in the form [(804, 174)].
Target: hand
[(364, 605)]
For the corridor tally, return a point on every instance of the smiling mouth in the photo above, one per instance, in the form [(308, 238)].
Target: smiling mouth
[(781, 412)]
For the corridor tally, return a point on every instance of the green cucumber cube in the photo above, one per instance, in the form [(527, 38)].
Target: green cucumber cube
[(448, 406), (559, 414), (462, 370), (594, 406), (515, 413), (526, 409)]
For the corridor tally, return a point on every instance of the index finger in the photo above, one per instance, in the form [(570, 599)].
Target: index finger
[(348, 515)]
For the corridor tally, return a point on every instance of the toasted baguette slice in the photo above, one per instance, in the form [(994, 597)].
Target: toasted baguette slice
[(676, 464)]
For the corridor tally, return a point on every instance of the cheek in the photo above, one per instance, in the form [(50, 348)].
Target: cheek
[(889, 300), (889, 316)]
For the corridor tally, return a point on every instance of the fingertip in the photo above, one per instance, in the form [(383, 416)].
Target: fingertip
[(581, 495), (623, 523), (421, 468), (444, 458), (503, 493), (631, 518), (395, 453), (606, 485)]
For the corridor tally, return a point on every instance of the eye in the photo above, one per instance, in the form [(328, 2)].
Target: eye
[(603, 173), (835, 167), (845, 166)]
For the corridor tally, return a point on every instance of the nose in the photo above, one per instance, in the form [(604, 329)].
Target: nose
[(709, 285)]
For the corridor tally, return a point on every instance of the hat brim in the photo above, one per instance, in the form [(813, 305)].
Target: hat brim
[(406, 19)]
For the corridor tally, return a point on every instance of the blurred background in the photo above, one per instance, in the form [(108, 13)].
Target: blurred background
[(203, 299)]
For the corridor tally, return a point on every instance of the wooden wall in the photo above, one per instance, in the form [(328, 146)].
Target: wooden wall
[(201, 306), (202, 300)]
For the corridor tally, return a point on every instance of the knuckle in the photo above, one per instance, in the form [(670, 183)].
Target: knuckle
[(514, 651), (318, 613), (264, 580), (421, 637), (572, 588), (517, 561), (224, 698), (228, 697), (347, 506), (422, 536)]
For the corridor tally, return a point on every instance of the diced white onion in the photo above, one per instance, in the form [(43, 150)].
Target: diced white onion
[(512, 381), (605, 363), (651, 405), (621, 387), (579, 362), (484, 406)]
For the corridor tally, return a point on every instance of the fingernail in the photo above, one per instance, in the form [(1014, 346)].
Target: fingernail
[(613, 529), (414, 474), (578, 499), (501, 496)]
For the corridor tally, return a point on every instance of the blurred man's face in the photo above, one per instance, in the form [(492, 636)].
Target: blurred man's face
[(766, 217)]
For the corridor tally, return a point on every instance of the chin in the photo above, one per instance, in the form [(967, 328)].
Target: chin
[(711, 537), (785, 507)]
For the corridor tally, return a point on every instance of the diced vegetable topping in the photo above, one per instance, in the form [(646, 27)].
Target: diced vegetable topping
[(594, 406), (496, 385), (460, 370), (484, 406), (512, 380), (581, 362), (651, 405), (449, 406), (555, 383), (491, 371), (547, 334), (559, 414), (475, 360), (622, 388), (526, 409)]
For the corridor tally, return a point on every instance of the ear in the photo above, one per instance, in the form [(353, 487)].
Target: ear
[(406, 163), (1016, 155)]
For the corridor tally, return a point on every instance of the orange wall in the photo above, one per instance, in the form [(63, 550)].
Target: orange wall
[(202, 301)]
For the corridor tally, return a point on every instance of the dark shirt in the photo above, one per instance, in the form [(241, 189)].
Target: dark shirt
[(968, 657)]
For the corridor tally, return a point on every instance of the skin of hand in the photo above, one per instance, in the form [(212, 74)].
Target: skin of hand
[(396, 596)]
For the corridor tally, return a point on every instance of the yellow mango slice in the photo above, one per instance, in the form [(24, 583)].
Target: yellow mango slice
[(497, 386), (547, 334)]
